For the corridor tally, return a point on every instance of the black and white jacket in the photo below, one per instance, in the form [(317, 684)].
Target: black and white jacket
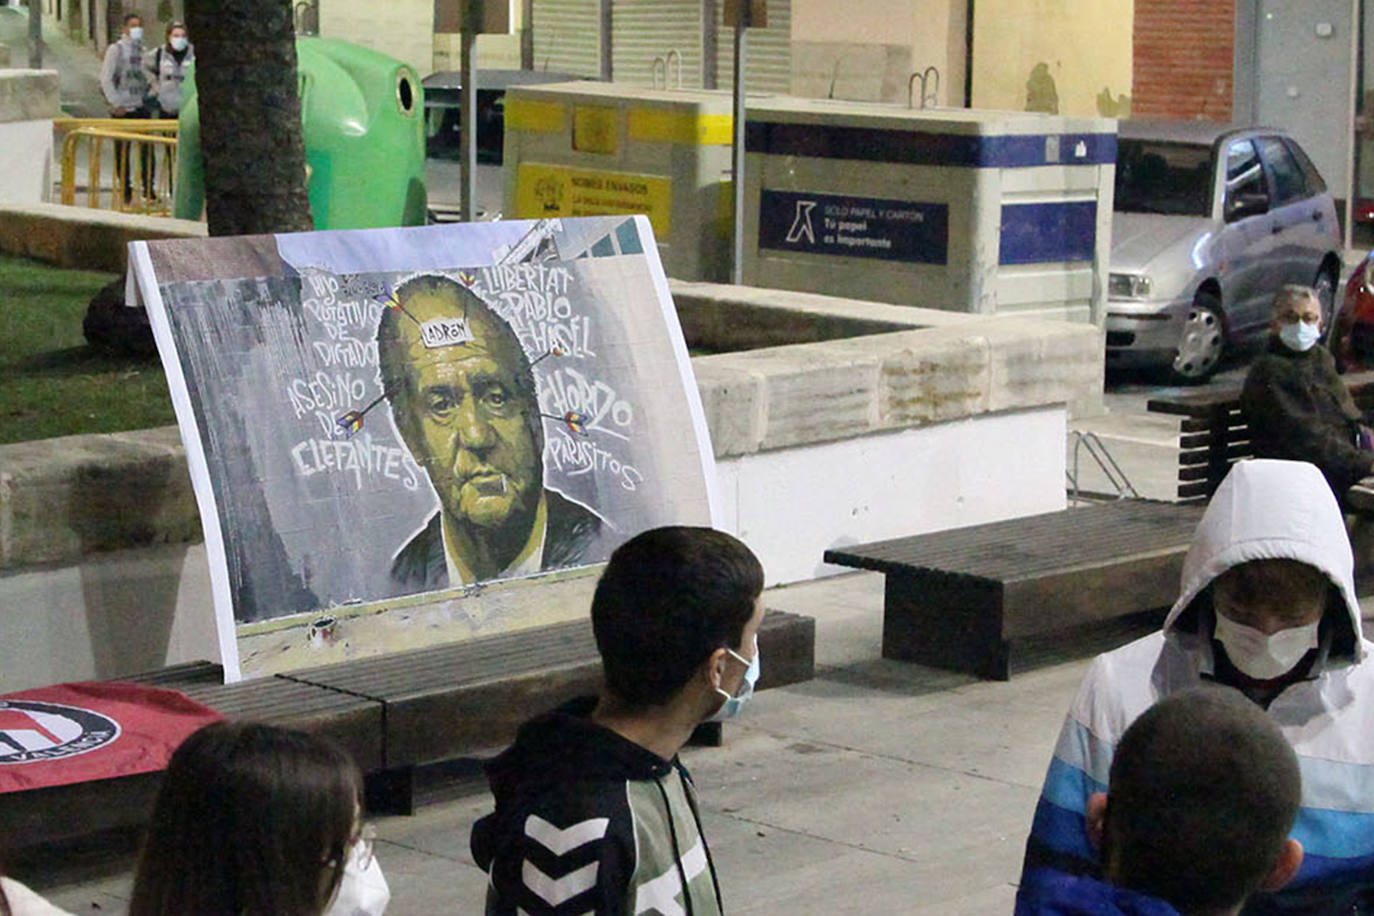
[(587, 821)]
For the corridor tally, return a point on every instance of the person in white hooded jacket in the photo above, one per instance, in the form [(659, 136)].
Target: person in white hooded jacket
[(1267, 606)]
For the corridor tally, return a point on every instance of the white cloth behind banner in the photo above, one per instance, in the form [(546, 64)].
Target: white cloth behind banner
[(315, 508)]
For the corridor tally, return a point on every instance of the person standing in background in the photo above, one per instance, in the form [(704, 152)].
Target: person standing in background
[(165, 70), (125, 87)]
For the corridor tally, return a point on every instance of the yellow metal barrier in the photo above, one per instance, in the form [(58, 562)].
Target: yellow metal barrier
[(144, 188)]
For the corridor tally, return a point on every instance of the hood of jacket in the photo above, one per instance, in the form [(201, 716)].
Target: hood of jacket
[(1046, 893), (562, 746), (1266, 509)]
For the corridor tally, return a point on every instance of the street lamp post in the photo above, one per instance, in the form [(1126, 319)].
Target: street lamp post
[(35, 34)]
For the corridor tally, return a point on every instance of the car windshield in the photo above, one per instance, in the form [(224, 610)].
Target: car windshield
[(1155, 176)]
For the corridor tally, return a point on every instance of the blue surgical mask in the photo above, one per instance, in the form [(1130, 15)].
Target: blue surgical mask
[(136, 33), (1300, 335), (179, 43), (733, 704)]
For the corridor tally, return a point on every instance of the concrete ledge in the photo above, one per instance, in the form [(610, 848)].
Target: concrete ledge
[(69, 497), (81, 237), (871, 367), (28, 95), (76, 495)]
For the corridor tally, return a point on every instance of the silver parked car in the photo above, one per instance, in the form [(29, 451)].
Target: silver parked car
[(1209, 221)]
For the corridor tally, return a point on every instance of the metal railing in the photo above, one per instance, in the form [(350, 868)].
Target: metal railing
[(663, 67), (1116, 478), (142, 158), (930, 93)]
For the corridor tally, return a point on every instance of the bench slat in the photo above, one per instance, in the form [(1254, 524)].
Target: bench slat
[(1197, 472), (1234, 451), (1201, 490), (1238, 434), (455, 699), (1030, 546)]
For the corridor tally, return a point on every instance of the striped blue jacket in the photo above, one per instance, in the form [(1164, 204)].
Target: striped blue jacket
[(1328, 718)]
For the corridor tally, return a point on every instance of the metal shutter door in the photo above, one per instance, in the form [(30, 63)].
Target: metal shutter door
[(567, 36), (768, 51), (645, 29)]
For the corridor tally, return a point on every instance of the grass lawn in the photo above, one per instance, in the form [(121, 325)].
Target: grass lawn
[(51, 382)]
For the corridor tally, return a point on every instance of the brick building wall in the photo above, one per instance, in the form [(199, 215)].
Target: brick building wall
[(1184, 51)]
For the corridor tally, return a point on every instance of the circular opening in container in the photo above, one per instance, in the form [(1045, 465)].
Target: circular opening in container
[(405, 93)]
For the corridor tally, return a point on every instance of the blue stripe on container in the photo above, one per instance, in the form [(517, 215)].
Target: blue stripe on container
[(1062, 831), (910, 147), (1039, 233)]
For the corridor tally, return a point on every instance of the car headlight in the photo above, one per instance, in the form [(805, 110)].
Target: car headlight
[(1367, 279), (1128, 286)]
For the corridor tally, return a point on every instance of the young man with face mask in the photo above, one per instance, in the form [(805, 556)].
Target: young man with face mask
[(125, 86), (1296, 404), (594, 811), (1267, 609)]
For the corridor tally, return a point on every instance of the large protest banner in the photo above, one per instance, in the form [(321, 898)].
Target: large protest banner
[(383, 421)]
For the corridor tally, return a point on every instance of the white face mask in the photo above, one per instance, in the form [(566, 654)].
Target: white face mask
[(733, 704), (1262, 656), (178, 42), (1300, 336), (136, 33), (363, 890)]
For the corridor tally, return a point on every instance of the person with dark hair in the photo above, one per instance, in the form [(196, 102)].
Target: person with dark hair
[(594, 810), (1267, 609), (463, 396), (165, 69), (1203, 791), (256, 820)]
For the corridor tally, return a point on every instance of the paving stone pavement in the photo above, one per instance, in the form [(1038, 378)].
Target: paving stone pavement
[(877, 787)]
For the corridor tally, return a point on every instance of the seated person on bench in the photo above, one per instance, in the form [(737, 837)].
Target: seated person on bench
[(594, 811), (1297, 406), (1267, 608), (1204, 789)]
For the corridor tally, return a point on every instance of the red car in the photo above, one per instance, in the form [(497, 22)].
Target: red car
[(1351, 337)]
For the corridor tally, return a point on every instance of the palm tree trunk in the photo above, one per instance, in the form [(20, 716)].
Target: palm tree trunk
[(250, 116)]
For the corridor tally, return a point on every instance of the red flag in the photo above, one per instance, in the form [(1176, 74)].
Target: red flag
[(67, 733)]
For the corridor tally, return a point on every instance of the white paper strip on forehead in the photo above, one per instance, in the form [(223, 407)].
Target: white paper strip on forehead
[(445, 332)]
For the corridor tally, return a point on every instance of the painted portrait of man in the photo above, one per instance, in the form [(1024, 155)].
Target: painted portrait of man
[(464, 399)]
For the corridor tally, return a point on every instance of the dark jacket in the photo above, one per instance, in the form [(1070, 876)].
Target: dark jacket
[(1047, 893), (573, 537), (1298, 408), (587, 821)]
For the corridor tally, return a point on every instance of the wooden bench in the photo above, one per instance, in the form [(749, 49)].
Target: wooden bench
[(967, 598), (1213, 435), (69, 812), (393, 713)]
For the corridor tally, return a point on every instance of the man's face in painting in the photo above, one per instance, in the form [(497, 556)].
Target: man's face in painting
[(469, 415)]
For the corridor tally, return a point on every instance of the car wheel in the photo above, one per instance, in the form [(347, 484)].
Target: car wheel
[(1203, 342), (1325, 287)]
